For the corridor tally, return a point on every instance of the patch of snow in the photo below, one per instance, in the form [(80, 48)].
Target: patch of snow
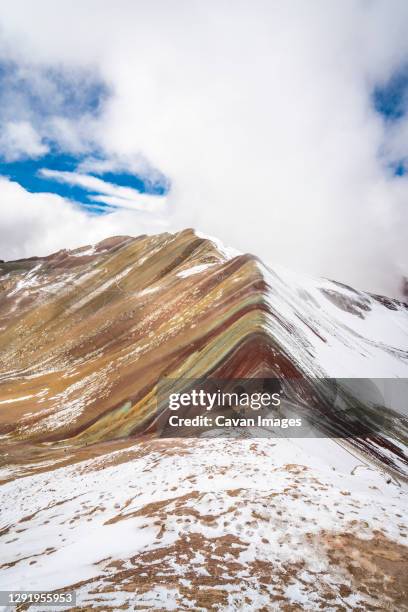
[(16, 399), (148, 290), (193, 270), (90, 251), (103, 287), (227, 252), (27, 281)]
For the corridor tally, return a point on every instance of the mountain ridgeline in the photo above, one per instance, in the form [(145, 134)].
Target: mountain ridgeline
[(87, 334)]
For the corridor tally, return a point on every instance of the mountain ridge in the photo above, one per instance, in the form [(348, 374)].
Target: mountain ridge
[(184, 304), (93, 500)]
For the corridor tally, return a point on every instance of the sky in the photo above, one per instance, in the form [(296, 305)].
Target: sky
[(279, 127)]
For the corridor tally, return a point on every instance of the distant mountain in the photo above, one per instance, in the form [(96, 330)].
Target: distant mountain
[(93, 500)]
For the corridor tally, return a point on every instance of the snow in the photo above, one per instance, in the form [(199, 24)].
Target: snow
[(28, 280), (149, 290), (193, 270), (227, 252), (70, 403), (113, 280), (342, 344), (85, 514), (16, 399), (86, 252)]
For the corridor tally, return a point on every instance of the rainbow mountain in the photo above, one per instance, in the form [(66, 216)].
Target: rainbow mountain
[(93, 500)]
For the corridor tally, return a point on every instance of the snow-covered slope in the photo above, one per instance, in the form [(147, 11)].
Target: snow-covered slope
[(344, 333), (211, 525)]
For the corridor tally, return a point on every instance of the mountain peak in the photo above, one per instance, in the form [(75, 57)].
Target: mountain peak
[(87, 330), (86, 337)]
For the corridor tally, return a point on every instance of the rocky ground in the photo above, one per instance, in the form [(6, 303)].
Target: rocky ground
[(211, 524)]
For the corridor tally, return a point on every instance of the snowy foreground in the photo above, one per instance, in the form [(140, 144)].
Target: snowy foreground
[(211, 525)]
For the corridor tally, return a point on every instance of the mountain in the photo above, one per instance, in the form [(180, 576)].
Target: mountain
[(93, 498)]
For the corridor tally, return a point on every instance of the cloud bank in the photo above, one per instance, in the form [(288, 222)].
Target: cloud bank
[(265, 116)]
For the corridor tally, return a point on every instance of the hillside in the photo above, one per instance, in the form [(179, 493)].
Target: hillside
[(93, 499)]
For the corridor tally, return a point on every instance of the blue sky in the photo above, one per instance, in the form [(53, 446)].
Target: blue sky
[(390, 100), (30, 174), (31, 98)]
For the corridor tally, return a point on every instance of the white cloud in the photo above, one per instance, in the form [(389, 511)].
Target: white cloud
[(19, 139), (114, 195), (35, 223), (260, 113), (143, 203)]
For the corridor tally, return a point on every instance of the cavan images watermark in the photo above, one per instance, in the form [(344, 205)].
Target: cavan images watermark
[(298, 408)]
